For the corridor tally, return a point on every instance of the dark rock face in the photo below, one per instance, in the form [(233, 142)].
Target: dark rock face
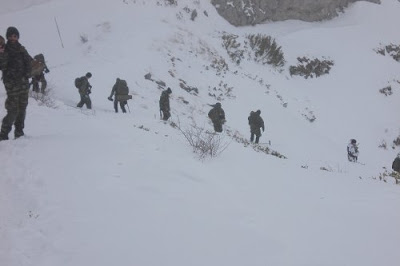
[(251, 12)]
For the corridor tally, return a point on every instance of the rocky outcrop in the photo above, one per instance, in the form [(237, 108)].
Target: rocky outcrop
[(251, 12)]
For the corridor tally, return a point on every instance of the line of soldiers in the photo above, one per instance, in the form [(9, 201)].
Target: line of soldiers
[(16, 65)]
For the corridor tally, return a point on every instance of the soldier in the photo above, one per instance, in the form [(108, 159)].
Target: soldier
[(256, 123), (396, 168), (164, 104), (352, 151), (84, 87), (217, 116), (40, 77), (117, 90), (15, 62)]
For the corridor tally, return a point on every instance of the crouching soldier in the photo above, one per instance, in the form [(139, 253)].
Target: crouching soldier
[(217, 116), (120, 90), (15, 62), (256, 124), (352, 151), (84, 87), (164, 104)]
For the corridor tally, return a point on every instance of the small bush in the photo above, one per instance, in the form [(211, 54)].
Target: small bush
[(84, 38), (392, 50), (386, 91), (204, 143), (232, 46), (266, 50), (311, 67)]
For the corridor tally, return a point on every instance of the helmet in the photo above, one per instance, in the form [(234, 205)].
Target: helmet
[(353, 141), (258, 112), (169, 90), (88, 75)]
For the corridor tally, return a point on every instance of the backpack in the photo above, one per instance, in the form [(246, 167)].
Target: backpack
[(78, 82), (38, 65), (122, 88)]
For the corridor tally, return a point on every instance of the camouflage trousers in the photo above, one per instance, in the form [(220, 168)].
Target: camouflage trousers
[(15, 105), (35, 83), (165, 114), (85, 99)]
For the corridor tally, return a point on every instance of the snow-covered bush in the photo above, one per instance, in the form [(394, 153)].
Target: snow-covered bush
[(391, 50), (311, 67), (266, 50), (386, 91)]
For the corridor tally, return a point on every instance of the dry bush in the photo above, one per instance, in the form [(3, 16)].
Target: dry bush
[(311, 67), (266, 50), (204, 143)]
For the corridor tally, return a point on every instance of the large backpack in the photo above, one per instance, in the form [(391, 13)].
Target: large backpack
[(78, 82), (122, 88), (38, 65)]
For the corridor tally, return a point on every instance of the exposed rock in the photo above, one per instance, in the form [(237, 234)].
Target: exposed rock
[(251, 12)]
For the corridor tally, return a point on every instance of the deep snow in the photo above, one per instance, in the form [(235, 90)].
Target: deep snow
[(99, 188)]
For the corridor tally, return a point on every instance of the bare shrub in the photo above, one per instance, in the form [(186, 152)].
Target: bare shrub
[(266, 50), (204, 143), (232, 46), (311, 67)]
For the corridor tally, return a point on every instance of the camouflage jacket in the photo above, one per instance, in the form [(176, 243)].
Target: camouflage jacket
[(217, 115), (396, 164), (15, 62), (164, 101), (84, 88)]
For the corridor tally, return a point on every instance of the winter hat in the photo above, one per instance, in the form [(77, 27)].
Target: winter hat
[(88, 75), (218, 105), (11, 31), (258, 112), (353, 141), (169, 90)]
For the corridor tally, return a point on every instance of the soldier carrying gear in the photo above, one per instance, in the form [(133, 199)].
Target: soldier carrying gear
[(256, 123), (217, 116), (84, 88), (121, 91), (15, 62), (164, 104), (352, 151), (39, 67)]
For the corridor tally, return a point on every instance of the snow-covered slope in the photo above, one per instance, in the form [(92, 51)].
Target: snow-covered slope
[(101, 188)]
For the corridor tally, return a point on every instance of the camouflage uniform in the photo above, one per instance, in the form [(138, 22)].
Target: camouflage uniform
[(40, 78), (256, 123), (84, 91), (114, 91), (15, 62), (217, 116), (164, 104)]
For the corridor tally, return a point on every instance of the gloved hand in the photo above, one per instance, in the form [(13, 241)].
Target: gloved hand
[(110, 98)]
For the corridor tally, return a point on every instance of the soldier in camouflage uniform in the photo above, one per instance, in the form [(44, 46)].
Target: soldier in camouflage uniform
[(116, 88), (15, 62), (217, 116), (40, 78), (84, 91), (256, 123), (164, 104)]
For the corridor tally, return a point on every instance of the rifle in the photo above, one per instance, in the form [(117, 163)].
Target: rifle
[(129, 109)]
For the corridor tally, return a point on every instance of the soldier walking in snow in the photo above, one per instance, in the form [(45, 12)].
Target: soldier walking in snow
[(217, 116), (15, 62), (164, 104), (352, 151), (39, 76), (120, 90), (256, 124), (84, 88), (396, 168)]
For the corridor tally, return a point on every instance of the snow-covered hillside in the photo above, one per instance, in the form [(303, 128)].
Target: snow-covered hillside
[(99, 188)]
